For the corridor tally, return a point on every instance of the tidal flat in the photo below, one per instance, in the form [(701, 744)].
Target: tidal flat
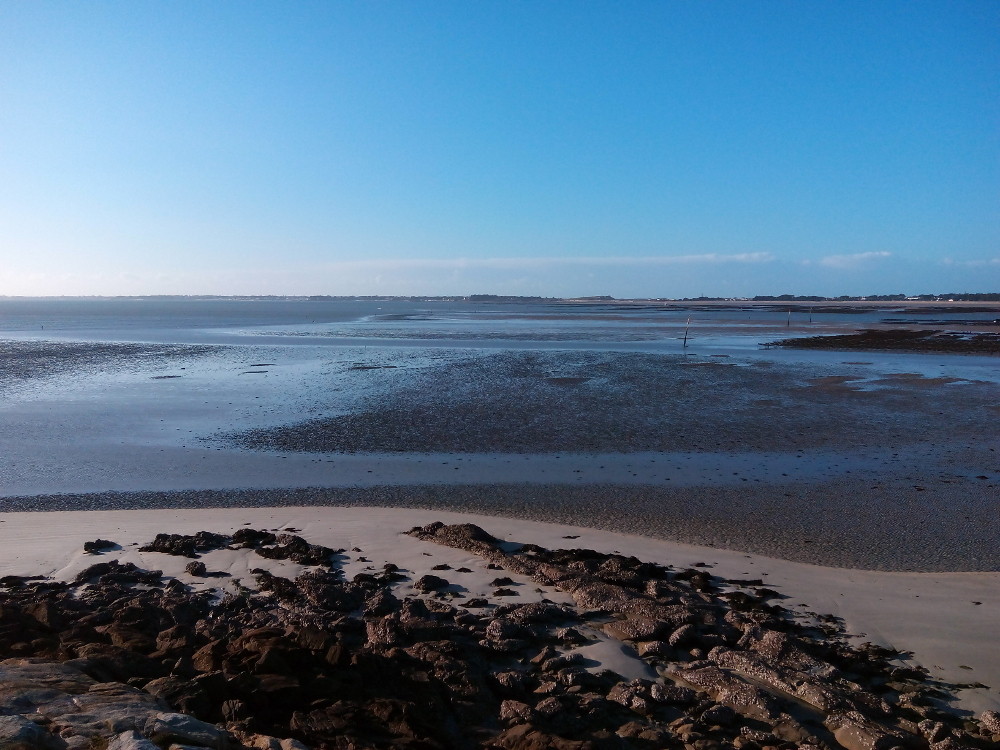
[(887, 461)]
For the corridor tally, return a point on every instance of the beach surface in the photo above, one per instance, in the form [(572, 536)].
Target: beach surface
[(947, 620)]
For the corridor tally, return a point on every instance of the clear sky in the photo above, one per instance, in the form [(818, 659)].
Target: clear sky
[(551, 147)]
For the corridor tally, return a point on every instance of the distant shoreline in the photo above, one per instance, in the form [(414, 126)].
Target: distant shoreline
[(988, 301)]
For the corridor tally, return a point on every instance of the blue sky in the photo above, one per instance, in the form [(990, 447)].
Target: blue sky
[(555, 148)]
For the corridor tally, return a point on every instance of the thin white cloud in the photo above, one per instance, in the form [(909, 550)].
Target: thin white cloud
[(854, 260), (548, 262), (972, 263)]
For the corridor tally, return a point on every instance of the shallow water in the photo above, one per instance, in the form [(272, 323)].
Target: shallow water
[(149, 425), (465, 325)]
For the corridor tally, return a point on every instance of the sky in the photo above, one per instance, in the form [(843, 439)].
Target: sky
[(637, 149)]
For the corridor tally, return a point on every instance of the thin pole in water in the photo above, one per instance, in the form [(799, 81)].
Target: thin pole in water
[(789, 323), (686, 333)]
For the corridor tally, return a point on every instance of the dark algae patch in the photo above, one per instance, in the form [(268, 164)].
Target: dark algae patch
[(900, 339)]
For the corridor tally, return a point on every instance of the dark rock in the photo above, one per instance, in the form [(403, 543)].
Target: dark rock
[(196, 568), (186, 545), (381, 603), (19, 733), (253, 538), (515, 712), (296, 549), (430, 583), (116, 572), (719, 715), (98, 546), (526, 737)]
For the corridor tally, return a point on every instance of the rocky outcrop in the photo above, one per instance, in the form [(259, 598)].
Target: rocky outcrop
[(125, 659)]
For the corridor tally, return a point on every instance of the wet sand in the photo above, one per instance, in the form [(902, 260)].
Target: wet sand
[(848, 465)]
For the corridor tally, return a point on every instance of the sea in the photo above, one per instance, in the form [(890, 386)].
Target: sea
[(346, 321), (105, 419)]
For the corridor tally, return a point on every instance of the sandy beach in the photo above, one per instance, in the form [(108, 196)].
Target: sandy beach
[(946, 619)]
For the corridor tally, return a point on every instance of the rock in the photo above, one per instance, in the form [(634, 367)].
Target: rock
[(790, 730), (636, 629), (429, 583), (515, 712), (98, 546), (280, 587), (209, 657), (682, 636), (130, 740), (561, 661), (653, 649), (719, 715), (633, 695), (856, 732), (19, 733), (790, 681), (196, 568), (266, 742), (460, 536), (512, 682), (164, 728), (548, 707), (731, 691), (381, 603), (296, 549), (526, 737), (674, 695), (990, 721), (174, 638), (932, 731), (262, 742), (571, 637), (186, 545), (382, 632), (235, 710), (253, 538), (949, 743), (116, 572)]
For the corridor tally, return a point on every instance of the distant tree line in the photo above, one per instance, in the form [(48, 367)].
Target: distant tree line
[(951, 297)]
